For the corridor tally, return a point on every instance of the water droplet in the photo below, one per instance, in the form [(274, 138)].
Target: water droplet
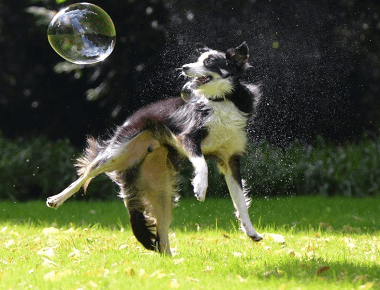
[(82, 33)]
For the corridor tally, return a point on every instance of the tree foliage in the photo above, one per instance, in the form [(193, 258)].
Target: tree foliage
[(317, 62)]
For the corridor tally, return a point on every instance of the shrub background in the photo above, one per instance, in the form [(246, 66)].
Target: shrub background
[(37, 168)]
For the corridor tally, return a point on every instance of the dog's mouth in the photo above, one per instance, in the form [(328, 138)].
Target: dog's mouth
[(204, 79)]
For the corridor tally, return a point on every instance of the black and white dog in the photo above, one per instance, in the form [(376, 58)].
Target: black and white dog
[(145, 153)]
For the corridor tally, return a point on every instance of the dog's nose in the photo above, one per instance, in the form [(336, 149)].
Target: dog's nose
[(185, 68)]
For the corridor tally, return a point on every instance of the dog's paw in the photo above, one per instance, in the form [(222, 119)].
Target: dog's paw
[(200, 196), (200, 184), (256, 237), (200, 179), (52, 202)]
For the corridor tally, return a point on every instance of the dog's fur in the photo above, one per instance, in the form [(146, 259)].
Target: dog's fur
[(145, 153)]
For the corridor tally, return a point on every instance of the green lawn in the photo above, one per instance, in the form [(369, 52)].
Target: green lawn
[(310, 243)]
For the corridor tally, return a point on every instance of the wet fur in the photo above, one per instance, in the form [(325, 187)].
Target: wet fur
[(144, 155)]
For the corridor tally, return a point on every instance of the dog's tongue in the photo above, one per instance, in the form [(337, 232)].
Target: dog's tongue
[(203, 79)]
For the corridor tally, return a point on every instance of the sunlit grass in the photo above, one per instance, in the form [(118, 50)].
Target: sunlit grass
[(310, 243)]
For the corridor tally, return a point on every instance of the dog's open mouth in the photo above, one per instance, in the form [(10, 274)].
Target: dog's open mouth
[(204, 79)]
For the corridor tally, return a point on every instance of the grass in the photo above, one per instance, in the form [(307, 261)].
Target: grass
[(310, 243)]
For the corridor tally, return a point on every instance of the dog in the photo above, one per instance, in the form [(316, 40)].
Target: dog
[(145, 154)]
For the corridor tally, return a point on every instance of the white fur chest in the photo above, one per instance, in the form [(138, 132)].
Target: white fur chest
[(227, 129)]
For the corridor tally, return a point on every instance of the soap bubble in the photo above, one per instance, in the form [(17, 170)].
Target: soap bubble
[(187, 91), (82, 33)]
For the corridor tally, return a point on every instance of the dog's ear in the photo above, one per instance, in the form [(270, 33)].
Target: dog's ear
[(201, 48), (238, 57)]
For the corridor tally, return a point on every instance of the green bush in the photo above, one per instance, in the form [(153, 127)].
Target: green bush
[(38, 168), (327, 169), (33, 168)]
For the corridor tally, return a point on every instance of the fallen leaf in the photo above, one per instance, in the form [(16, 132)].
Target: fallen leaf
[(50, 276), (322, 270), (294, 254), (161, 275), (158, 274), (129, 271), (10, 243), (48, 252), (367, 286), (106, 273), (142, 273), (208, 269), (349, 243), (50, 231), (357, 218), (361, 278), (191, 279), (342, 274), (48, 263), (178, 261), (75, 253), (54, 276), (276, 238), (225, 235), (237, 254), (93, 284), (272, 272), (174, 284), (241, 279), (15, 234)]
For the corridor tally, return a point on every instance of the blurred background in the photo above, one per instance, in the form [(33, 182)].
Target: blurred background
[(317, 62)]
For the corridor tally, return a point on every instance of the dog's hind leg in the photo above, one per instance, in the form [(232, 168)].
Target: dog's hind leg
[(56, 200), (114, 157), (149, 199), (231, 171)]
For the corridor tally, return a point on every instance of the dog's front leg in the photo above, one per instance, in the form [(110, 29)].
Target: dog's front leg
[(192, 150), (200, 180), (231, 171), (239, 200)]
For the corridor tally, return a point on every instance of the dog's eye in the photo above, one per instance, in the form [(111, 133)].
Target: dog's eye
[(208, 61)]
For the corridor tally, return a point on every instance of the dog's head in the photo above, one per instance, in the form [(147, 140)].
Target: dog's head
[(214, 72)]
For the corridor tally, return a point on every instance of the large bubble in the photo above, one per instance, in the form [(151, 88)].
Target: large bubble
[(187, 91), (82, 33)]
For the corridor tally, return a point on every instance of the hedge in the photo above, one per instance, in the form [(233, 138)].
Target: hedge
[(37, 168)]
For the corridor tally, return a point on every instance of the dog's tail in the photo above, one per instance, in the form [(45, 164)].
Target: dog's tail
[(145, 229), (144, 226), (93, 148)]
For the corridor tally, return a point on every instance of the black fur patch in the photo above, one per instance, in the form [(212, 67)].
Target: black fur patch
[(142, 231), (241, 97), (175, 158), (141, 228), (215, 63), (234, 164), (147, 118), (189, 122)]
